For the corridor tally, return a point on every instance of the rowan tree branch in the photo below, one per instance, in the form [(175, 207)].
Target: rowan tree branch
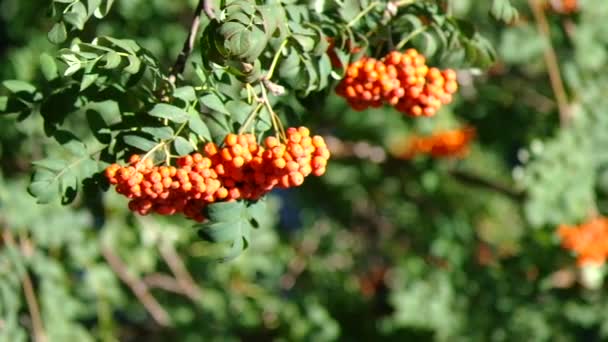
[(163, 281), (139, 288), (180, 62), (30, 296), (477, 180), (176, 265), (552, 63)]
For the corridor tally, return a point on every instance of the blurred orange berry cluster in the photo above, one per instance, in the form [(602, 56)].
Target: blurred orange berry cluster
[(241, 169), (402, 80), (451, 143), (564, 6), (588, 240)]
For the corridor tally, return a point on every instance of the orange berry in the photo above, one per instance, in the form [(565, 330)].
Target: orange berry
[(231, 139)]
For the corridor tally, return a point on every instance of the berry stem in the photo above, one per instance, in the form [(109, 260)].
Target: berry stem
[(275, 59), (276, 121), (250, 118), (163, 143)]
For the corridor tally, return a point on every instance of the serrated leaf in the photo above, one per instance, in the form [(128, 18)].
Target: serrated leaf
[(290, 66), (87, 80), (72, 69), (128, 45), (76, 147), (58, 34), (50, 164), (239, 110), (92, 5), (77, 16), (108, 110), (169, 112), (17, 86), (182, 146), (197, 126), (226, 211), (134, 64), (213, 102), (222, 231), (256, 211), (139, 142), (44, 186), (103, 9), (3, 103), (112, 60), (48, 66), (185, 93), (160, 133)]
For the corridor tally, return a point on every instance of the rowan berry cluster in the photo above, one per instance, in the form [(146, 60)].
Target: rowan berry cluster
[(588, 240), (451, 143), (240, 169), (402, 80)]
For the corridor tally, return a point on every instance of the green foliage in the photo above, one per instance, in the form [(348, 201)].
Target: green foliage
[(379, 248)]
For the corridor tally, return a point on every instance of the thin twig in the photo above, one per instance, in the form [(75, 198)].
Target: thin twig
[(176, 265), (473, 179), (552, 64), (207, 7), (30, 296), (139, 288), (180, 62), (163, 281)]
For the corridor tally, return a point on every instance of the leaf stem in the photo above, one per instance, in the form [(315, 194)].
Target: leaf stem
[(275, 59), (409, 37), (362, 13), (163, 143)]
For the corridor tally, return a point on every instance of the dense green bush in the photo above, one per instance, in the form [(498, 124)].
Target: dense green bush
[(378, 248)]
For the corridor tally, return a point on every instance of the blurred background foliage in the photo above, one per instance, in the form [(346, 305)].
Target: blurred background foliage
[(379, 248)]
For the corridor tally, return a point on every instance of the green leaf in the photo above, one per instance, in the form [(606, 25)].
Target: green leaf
[(108, 109), (112, 60), (48, 66), (160, 133), (92, 6), (290, 66), (139, 142), (77, 17), (134, 64), (50, 164), (197, 125), (239, 110), (226, 211), (103, 9), (169, 112), (256, 212), (87, 80), (44, 186), (17, 86), (185, 93), (222, 231), (3, 103), (213, 102), (58, 33), (182, 146)]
